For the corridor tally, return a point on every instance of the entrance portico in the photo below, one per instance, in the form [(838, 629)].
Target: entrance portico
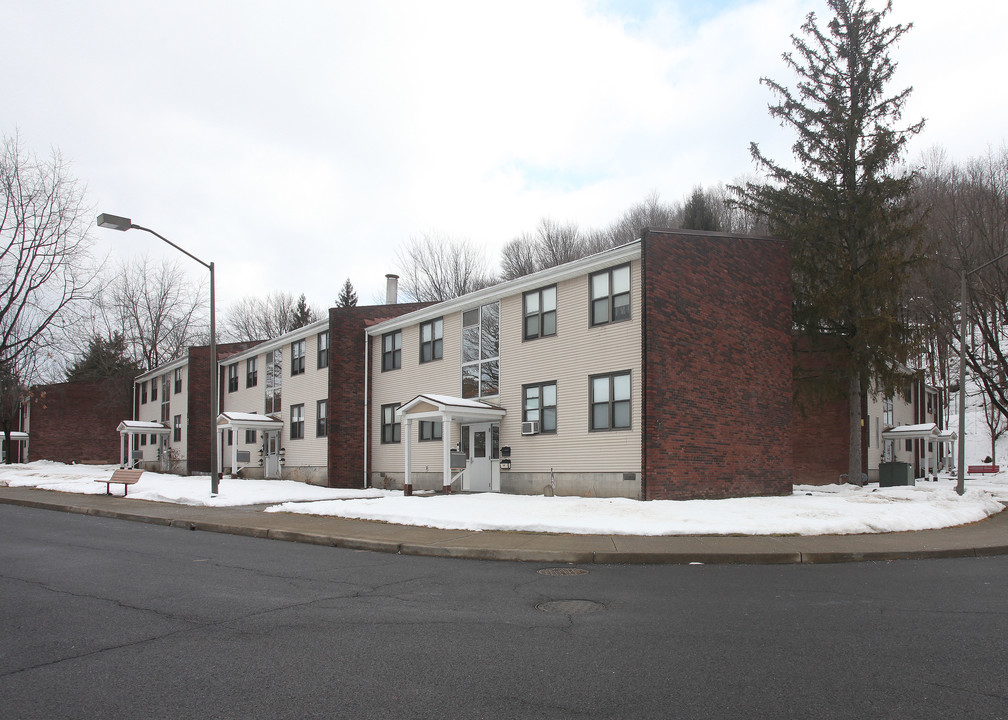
[(480, 418), (269, 450)]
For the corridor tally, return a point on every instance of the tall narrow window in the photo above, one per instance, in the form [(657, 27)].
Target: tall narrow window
[(431, 340), (297, 357), (153, 389), (233, 377), (390, 427), (540, 312), (178, 380), (391, 351), (251, 373), (321, 418), (480, 351), (297, 422), (274, 380), (165, 397), (143, 393), (610, 401), (177, 428), (541, 406), (323, 349), (610, 295)]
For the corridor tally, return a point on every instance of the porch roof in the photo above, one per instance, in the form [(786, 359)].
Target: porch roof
[(430, 405), (16, 435), (134, 427), (924, 431), (248, 421)]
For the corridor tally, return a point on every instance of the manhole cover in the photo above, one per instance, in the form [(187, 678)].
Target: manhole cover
[(570, 607), (562, 571)]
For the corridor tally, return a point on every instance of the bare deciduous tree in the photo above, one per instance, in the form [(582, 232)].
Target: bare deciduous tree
[(253, 318), (434, 268), (154, 306), (46, 269)]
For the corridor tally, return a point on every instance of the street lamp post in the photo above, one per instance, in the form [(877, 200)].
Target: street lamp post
[(123, 224), (964, 300)]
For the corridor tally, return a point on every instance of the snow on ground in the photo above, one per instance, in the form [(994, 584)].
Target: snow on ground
[(833, 509), (193, 490)]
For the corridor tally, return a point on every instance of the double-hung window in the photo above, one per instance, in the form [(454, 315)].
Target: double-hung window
[(610, 295), (391, 351), (431, 340), (540, 405), (321, 418), (390, 427), (297, 422), (178, 380), (153, 389), (143, 393), (430, 430), (233, 377), (540, 308), (297, 357), (323, 349), (610, 401), (251, 373), (177, 428)]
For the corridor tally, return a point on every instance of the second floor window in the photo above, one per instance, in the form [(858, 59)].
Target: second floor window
[(431, 340), (610, 295), (165, 397), (251, 373), (323, 349), (233, 378), (391, 351), (178, 380), (481, 351), (297, 357), (143, 393), (274, 380), (540, 313), (297, 422), (153, 389)]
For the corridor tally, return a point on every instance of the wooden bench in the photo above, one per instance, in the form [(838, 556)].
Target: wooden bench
[(980, 469), (126, 477)]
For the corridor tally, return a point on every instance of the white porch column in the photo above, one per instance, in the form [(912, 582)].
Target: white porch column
[(122, 458), (234, 452), (408, 482), (446, 445)]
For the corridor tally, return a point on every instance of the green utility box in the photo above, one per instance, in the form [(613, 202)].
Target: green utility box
[(891, 474)]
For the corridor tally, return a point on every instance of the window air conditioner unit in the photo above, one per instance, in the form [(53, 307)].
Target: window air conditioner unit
[(530, 428)]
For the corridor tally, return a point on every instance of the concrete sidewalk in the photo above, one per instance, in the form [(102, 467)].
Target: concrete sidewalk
[(989, 537)]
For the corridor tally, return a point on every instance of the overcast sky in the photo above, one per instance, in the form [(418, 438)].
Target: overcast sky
[(296, 144)]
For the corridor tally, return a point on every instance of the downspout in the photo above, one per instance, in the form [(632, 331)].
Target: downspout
[(366, 399)]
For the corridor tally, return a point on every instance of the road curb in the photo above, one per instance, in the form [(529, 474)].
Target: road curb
[(774, 556)]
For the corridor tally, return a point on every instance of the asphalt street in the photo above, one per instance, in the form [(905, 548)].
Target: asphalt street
[(107, 618)]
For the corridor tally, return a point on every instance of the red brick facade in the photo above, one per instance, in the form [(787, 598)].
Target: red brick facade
[(347, 388), (77, 421), (716, 352)]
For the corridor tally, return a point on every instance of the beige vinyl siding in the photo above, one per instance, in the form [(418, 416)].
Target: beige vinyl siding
[(150, 412), (180, 406), (306, 389), (577, 352), (443, 377)]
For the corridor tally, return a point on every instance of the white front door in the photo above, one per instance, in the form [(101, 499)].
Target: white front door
[(271, 458), (165, 461), (483, 471)]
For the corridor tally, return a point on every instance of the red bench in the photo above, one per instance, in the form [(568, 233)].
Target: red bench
[(981, 469)]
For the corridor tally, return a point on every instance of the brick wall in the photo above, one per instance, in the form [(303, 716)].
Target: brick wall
[(198, 410), (821, 439), (77, 421), (347, 385), (717, 407)]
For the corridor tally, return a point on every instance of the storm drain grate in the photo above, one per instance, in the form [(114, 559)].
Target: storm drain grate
[(559, 571), (571, 607)]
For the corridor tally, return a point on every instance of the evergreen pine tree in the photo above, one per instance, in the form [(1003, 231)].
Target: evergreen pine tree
[(301, 315), (104, 358), (845, 207), (347, 296)]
